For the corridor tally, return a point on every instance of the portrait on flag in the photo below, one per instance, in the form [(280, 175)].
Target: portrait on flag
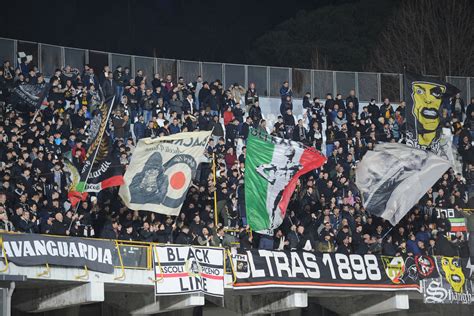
[(424, 99), (161, 172), (273, 167)]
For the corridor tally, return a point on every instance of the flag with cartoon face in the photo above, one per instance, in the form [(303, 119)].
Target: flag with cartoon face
[(425, 99)]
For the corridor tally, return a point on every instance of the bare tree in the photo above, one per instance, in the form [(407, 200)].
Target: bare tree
[(319, 60), (428, 36)]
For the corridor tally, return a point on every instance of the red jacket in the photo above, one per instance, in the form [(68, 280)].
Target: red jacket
[(228, 117)]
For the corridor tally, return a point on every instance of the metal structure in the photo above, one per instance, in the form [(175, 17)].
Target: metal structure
[(267, 79)]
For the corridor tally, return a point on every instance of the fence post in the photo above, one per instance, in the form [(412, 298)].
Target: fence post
[(334, 85), (132, 65), (40, 58), (312, 83), (246, 76), (223, 75), (468, 82), (290, 77), (356, 84), (379, 88), (63, 57), (402, 88), (178, 68), (86, 56), (268, 82)]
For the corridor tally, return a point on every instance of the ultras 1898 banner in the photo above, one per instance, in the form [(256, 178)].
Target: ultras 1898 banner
[(273, 269), (187, 269)]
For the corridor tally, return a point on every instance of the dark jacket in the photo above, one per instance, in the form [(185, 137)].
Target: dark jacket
[(184, 239)]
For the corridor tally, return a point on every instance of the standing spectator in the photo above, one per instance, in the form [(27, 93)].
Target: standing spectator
[(457, 107), (109, 86), (285, 90), (355, 101), (251, 96), (139, 128), (386, 109), (119, 82)]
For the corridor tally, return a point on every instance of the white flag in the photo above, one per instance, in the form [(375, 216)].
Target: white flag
[(161, 171), (393, 177)]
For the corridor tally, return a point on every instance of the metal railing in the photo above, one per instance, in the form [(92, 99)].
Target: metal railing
[(267, 79)]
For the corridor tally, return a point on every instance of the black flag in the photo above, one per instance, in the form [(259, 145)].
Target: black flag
[(29, 96)]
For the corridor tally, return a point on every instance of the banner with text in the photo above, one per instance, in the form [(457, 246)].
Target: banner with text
[(36, 250), (453, 285), (187, 269), (307, 270)]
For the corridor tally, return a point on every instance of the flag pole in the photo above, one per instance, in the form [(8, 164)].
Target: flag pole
[(34, 117), (95, 156), (404, 75), (215, 188)]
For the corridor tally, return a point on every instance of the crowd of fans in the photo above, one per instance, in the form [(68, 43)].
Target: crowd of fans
[(325, 213)]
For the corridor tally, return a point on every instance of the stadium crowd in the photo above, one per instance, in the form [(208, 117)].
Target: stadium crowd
[(325, 213)]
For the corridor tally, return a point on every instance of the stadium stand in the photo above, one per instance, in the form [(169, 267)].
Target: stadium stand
[(326, 208)]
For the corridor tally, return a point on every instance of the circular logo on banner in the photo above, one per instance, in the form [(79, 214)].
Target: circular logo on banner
[(193, 268), (425, 265), (179, 170)]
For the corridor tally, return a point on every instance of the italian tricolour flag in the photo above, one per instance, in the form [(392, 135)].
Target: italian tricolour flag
[(272, 168)]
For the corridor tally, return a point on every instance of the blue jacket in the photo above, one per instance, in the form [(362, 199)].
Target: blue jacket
[(174, 129), (412, 247), (285, 92), (139, 130)]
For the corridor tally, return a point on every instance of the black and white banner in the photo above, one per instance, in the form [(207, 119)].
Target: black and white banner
[(283, 269), (453, 284), (29, 96), (393, 177), (35, 250), (187, 269)]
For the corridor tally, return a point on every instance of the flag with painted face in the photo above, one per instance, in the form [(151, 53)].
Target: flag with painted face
[(425, 98), (161, 170), (272, 168)]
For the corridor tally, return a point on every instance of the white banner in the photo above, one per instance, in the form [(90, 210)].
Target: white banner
[(189, 269), (161, 171)]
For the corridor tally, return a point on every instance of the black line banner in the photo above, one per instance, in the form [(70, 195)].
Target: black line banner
[(283, 269), (187, 269), (35, 250)]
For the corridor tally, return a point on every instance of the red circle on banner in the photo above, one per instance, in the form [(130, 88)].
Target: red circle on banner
[(177, 180)]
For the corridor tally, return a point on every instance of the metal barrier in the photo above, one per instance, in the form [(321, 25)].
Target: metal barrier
[(267, 79), (135, 255)]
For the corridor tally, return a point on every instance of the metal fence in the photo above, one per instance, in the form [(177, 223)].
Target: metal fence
[(267, 79)]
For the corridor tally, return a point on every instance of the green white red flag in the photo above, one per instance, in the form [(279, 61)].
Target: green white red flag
[(272, 168)]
